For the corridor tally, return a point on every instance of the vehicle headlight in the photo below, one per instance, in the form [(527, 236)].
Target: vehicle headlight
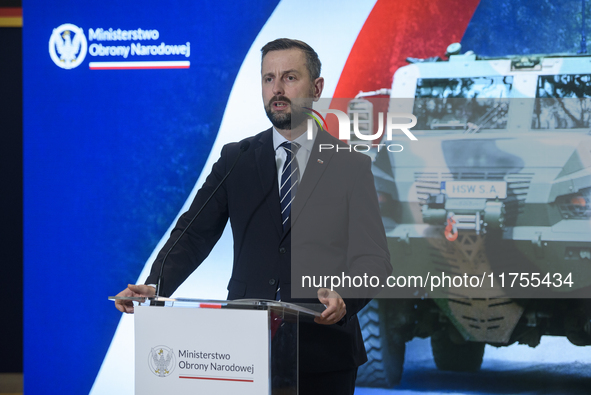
[(575, 205)]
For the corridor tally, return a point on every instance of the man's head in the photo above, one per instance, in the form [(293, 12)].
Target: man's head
[(312, 62), (290, 80)]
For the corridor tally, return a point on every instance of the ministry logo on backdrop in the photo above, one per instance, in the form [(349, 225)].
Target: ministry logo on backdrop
[(68, 46), (116, 49), (161, 361)]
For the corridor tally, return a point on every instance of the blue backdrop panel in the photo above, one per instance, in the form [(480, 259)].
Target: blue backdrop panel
[(522, 27), (110, 157)]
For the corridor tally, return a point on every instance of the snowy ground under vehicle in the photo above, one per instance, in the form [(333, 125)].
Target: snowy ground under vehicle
[(499, 182)]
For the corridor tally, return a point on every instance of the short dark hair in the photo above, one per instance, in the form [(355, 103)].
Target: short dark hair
[(312, 62)]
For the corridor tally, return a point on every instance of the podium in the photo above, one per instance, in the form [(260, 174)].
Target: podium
[(220, 347)]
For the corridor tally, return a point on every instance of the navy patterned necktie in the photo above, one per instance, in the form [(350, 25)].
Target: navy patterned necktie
[(290, 178)]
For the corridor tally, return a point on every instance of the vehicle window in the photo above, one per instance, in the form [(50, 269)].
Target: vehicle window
[(462, 104), (562, 102)]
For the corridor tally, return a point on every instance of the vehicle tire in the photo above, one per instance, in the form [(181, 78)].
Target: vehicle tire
[(465, 357), (385, 348)]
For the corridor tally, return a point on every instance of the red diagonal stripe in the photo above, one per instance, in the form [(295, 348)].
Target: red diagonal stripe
[(393, 31)]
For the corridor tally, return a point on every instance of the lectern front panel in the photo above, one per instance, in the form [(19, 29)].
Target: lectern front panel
[(201, 351)]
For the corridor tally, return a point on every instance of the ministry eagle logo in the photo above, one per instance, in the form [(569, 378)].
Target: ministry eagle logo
[(68, 46), (161, 361)]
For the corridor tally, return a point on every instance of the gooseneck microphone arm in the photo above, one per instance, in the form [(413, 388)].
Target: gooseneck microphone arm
[(243, 147)]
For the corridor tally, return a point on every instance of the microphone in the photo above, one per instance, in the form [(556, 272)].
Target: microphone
[(243, 147)]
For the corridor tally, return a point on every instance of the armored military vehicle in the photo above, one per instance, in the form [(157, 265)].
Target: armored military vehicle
[(497, 186)]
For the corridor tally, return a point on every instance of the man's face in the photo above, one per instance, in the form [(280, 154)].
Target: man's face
[(287, 87)]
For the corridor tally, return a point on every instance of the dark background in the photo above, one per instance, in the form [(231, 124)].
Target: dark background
[(11, 197)]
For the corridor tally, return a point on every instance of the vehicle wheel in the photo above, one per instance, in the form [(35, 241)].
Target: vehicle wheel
[(465, 357), (385, 348)]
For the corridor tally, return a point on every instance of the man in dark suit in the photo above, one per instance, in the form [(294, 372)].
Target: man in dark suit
[(296, 207)]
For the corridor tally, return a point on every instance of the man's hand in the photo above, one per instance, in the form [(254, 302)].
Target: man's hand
[(335, 307), (126, 306)]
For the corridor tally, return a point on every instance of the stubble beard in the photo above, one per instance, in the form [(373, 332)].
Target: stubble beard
[(288, 120), (281, 121)]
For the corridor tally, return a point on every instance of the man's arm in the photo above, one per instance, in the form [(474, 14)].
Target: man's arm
[(335, 307), (198, 241), (368, 249), (194, 246), (126, 306)]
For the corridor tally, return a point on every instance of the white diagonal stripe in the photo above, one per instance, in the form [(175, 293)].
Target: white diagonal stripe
[(285, 194), (286, 166), (287, 205), (288, 178)]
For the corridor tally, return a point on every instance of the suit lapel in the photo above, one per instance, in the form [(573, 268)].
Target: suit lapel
[(317, 164), (267, 168)]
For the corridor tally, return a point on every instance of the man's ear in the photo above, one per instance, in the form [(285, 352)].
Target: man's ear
[(318, 87)]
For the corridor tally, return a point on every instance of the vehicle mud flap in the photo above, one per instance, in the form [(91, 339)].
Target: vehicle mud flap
[(385, 348), (463, 357)]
